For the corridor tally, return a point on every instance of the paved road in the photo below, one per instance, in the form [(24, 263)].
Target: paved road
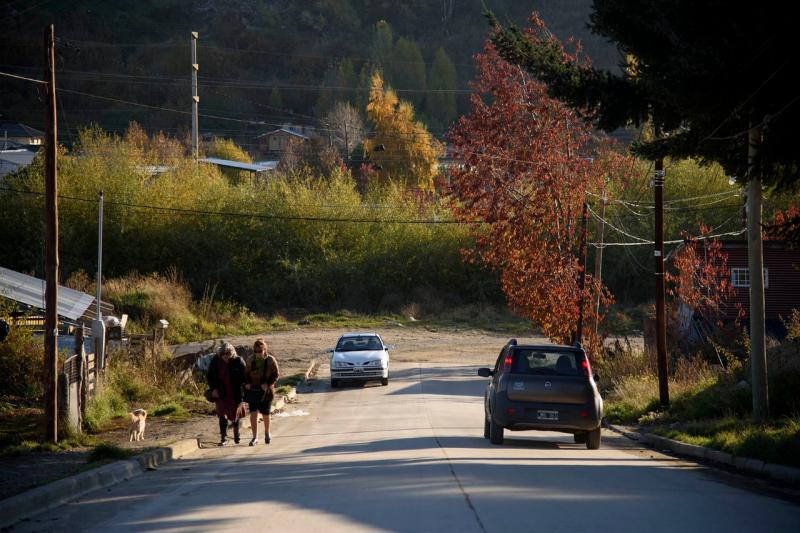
[(411, 457)]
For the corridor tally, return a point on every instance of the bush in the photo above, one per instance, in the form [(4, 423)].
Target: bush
[(286, 255), (101, 408), (21, 365), (783, 371)]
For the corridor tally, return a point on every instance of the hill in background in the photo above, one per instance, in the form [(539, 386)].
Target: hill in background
[(262, 63)]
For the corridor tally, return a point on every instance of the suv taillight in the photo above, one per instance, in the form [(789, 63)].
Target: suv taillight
[(587, 368), (507, 361)]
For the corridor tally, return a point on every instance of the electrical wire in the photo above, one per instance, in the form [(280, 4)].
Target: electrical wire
[(257, 216)]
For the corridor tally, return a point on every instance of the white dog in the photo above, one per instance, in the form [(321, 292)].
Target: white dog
[(138, 418)]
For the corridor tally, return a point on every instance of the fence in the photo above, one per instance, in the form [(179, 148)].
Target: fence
[(78, 382)]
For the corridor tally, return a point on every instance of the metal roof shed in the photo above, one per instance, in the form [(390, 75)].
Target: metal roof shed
[(26, 289)]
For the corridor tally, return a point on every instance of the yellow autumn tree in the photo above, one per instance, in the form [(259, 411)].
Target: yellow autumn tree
[(402, 148)]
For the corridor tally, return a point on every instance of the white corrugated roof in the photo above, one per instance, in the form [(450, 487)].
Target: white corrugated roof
[(235, 164), (30, 291)]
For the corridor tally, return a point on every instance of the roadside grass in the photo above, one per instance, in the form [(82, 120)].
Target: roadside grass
[(110, 452), (30, 445), (774, 442), (709, 406)]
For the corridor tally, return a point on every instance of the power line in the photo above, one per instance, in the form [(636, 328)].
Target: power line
[(22, 78), (180, 211)]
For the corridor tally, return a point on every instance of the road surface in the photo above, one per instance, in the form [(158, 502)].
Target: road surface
[(411, 457)]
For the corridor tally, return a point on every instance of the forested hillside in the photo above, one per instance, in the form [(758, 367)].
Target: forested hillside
[(262, 63)]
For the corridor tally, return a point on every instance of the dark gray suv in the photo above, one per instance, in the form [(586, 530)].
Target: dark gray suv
[(542, 387)]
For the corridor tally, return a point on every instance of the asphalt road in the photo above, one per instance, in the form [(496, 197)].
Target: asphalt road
[(411, 457)]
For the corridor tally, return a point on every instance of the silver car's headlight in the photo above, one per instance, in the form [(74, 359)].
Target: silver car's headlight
[(338, 364)]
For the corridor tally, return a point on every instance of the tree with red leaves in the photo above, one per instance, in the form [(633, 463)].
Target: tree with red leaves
[(528, 162), (701, 279)]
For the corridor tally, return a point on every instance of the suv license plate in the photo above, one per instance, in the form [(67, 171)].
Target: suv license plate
[(547, 415)]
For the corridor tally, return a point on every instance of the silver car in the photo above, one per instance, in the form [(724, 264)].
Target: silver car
[(359, 357)]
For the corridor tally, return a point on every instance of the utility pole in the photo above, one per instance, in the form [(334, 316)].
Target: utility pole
[(195, 98), (598, 258), (755, 263), (661, 312), (99, 252), (51, 242), (582, 278)]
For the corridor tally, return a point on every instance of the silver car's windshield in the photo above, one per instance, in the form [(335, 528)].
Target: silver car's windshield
[(355, 344)]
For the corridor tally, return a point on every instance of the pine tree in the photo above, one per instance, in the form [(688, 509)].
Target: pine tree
[(408, 70), (440, 103)]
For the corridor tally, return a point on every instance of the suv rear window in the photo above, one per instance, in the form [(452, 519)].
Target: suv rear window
[(543, 362)]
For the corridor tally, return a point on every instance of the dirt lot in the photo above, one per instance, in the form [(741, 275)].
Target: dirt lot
[(295, 350)]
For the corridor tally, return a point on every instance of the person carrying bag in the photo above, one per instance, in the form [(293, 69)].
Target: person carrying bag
[(259, 389)]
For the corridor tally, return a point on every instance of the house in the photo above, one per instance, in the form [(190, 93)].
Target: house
[(781, 280), (276, 141), (20, 133), (14, 156)]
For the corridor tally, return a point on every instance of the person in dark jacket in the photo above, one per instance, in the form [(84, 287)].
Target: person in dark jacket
[(225, 378)]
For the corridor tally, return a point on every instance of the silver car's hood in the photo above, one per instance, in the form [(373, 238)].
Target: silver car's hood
[(360, 356)]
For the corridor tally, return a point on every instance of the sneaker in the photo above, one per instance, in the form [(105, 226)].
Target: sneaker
[(224, 442), (267, 438), (253, 441), (236, 440)]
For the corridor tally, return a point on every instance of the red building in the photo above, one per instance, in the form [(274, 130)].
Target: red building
[(781, 280)]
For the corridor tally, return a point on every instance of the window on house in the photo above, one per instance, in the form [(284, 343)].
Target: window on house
[(740, 277)]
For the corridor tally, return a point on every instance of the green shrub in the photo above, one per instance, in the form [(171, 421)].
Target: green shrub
[(783, 372), (106, 405), (21, 365)]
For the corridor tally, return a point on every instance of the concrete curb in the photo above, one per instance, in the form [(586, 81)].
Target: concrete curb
[(46, 497), (747, 464)]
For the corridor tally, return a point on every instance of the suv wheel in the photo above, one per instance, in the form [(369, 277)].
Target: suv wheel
[(580, 438), (495, 432), (593, 439), (384, 381), (485, 427)]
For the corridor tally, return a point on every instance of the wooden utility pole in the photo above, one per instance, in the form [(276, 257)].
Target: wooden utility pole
[(582, 278), (195, 98), (51, 243), (755, 263), (598, 258), (661, 311)]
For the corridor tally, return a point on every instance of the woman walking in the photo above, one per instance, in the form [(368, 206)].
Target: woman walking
[(225, 377), (261, 375)]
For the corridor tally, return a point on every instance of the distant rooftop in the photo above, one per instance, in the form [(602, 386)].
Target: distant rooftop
[(284, 130), (16, 129), (252, 167)]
